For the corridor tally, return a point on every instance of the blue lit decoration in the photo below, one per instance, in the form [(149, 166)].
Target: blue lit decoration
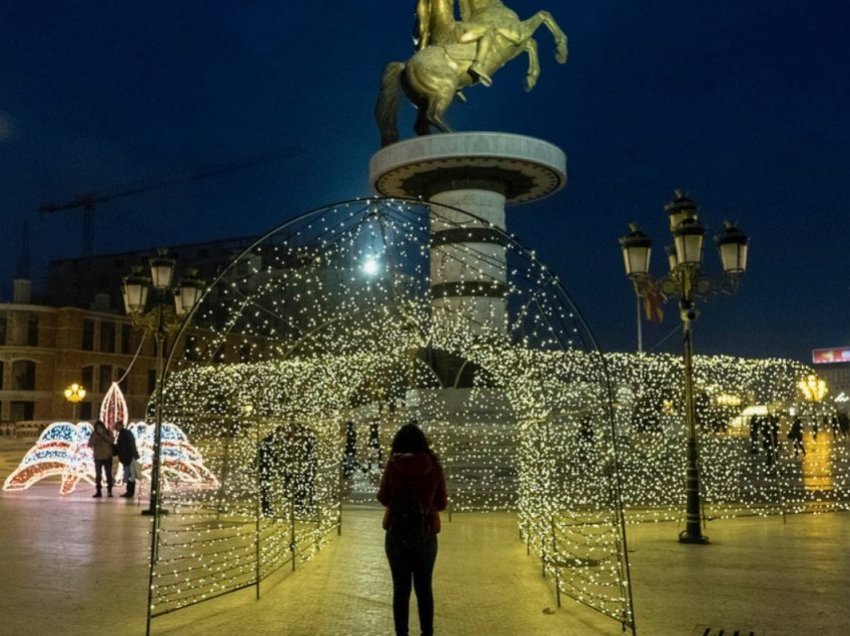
[(62, 450)]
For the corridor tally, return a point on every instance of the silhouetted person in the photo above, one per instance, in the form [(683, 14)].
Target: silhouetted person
[(755, 425), (585, 438), (100, 442), (769, 431), (773, 431), (413, 490), (375, 451), (268, 473), (288, 465), (795, 434), (349, 460), (844, 424), (125, 445)]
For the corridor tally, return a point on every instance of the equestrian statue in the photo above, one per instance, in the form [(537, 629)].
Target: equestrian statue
[(453, 54)]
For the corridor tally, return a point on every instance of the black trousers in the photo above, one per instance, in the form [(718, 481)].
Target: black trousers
[(106, 466), (412, 565)]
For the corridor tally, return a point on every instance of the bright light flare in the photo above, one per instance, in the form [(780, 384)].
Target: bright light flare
[(371, 266)]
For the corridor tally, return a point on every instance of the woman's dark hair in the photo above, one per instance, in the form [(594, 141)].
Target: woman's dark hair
[(410, 439)]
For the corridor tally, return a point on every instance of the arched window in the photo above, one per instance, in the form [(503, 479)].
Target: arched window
[(23, 375)]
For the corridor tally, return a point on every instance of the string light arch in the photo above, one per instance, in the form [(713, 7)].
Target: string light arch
[(331, 318)]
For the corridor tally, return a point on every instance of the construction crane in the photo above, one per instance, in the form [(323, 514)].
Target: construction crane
[(88, 201)]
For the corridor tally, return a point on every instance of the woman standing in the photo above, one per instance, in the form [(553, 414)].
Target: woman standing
[(413, 490), (101, 444)]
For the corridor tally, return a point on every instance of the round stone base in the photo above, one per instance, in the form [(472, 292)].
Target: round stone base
[(520, 168)]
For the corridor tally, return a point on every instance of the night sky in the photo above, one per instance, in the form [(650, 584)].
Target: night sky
[(744, 104)]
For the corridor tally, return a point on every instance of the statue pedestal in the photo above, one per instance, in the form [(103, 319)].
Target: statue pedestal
[(467, 179)]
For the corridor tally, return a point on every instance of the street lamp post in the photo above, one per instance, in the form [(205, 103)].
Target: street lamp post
[(160, 320), (74, 394), (686, 281)]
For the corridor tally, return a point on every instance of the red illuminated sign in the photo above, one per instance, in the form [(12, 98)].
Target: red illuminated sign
[(831, 356)]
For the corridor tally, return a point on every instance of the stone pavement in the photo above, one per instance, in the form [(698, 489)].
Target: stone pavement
[(79, 566)]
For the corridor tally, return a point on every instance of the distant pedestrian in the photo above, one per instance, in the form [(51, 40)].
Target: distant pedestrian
[(755, 425), (349, 460), (585, 438), (288, 465), (844, 424), (376, 453), (125, 445), (413, 491), (101, 441), (795, 434), (770, 437), (269, 469)]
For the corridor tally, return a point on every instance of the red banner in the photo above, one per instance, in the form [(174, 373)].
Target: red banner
[(834, 355)]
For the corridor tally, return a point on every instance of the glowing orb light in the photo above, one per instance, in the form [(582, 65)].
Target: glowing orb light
[(371, 266)]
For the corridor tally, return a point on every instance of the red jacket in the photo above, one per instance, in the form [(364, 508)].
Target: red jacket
[(425, 474)]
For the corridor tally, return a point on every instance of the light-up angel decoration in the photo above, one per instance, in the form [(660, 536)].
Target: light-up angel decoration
[(62, 449)]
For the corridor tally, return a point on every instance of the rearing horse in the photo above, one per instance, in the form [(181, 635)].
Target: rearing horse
[(489, 36)]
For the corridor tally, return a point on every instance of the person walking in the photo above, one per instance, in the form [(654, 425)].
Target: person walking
[(101, 441), (844, 424), (349, 460), (125, 445), (413, 492), (796, 436), (376, 453)]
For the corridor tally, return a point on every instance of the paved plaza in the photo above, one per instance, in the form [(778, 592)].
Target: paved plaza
[(76, 565)]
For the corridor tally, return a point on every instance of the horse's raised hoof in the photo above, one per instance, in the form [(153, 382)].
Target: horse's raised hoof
[(561, 54), (481, 76)]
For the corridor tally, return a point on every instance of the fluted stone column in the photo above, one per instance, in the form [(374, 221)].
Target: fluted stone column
[(467, 180), (468, 270)]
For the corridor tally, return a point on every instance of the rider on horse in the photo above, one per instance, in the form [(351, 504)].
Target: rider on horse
[(454, 54), (465, 31)]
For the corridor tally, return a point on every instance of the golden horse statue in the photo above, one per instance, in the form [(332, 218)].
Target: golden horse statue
[(455, 54)]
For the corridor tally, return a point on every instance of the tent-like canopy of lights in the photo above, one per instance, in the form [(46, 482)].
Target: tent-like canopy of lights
[(328, 324)]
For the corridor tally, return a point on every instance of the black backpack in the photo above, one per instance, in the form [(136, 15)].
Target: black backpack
[(408, 520)]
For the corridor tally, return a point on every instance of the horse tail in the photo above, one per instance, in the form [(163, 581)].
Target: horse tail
[(386, 109)]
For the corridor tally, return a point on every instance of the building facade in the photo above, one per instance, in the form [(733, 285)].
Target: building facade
[(76, 332), (44, 349)]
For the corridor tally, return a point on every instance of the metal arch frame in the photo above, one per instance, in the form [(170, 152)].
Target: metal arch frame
[(586, 336)]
